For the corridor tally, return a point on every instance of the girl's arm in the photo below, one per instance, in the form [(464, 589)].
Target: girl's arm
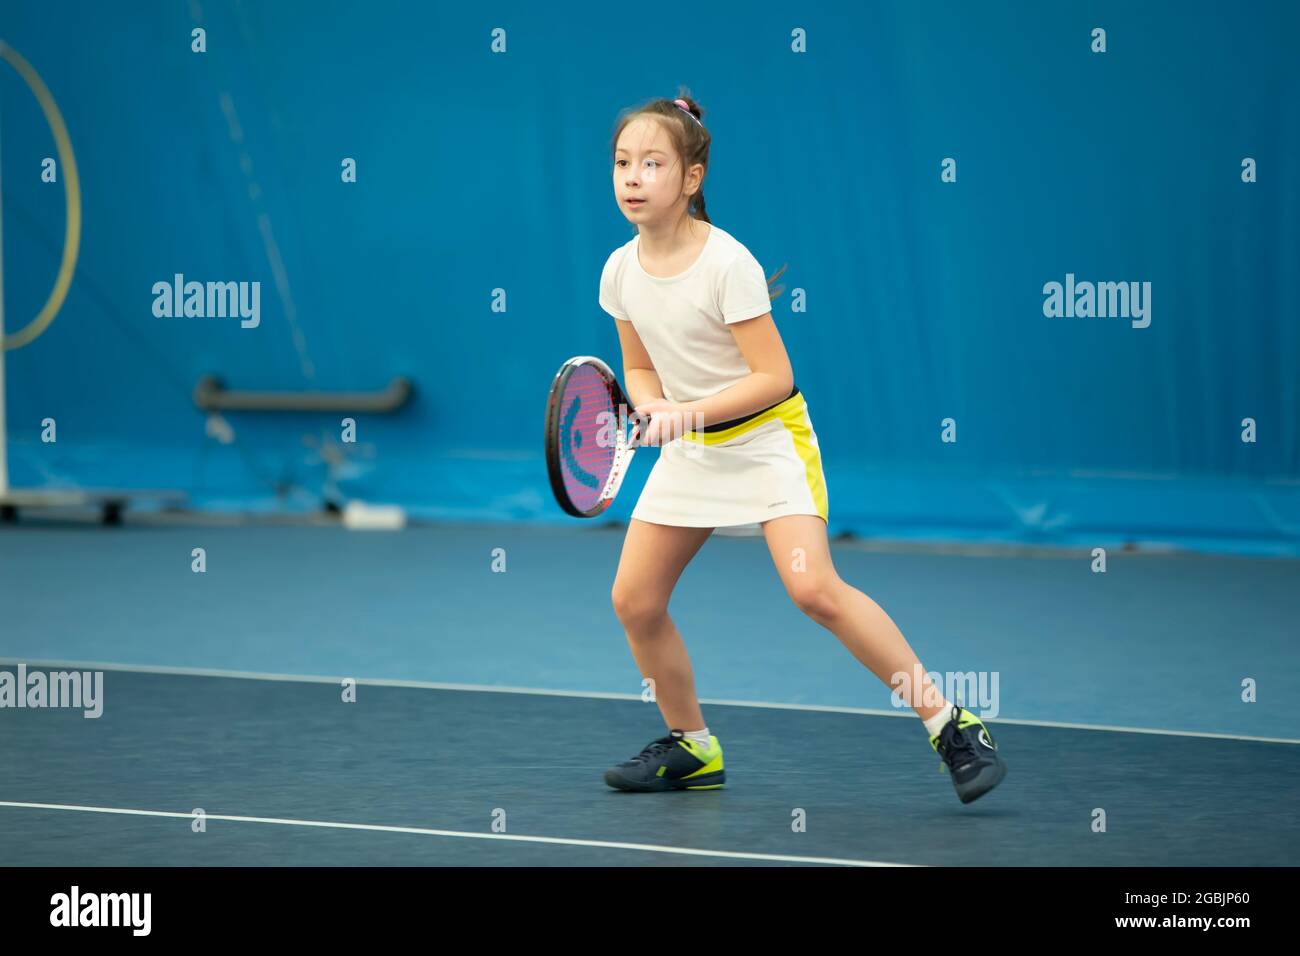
[(769, 381), (640, 380)]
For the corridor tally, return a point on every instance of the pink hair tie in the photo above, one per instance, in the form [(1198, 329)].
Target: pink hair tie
[(681, 104)]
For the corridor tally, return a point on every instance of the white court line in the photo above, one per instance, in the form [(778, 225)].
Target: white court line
[(607, 695), (421, 831)]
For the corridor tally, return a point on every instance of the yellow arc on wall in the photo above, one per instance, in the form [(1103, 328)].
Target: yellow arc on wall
[(72, 195)]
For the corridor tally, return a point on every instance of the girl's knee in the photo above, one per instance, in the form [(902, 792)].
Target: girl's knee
[(635, 606), (816, 596)]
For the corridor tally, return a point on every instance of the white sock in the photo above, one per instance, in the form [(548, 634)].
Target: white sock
[(701, 737), (937, 722)]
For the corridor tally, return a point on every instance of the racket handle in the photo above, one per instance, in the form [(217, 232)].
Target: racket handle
[(641, 423)]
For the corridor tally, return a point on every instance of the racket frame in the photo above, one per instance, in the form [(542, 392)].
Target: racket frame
[(625, 446)]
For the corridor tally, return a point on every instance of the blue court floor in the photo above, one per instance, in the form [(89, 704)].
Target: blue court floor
[(489, 704)]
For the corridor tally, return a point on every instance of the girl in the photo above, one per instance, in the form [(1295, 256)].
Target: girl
[(703, 358)]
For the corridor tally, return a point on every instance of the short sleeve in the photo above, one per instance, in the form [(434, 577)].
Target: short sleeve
[(743, 290), (610, 300)]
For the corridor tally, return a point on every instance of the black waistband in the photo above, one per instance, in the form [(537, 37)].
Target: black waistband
[(722, 426)]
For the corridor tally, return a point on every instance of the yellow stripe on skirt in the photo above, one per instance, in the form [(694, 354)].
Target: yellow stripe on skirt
[(767, 467)]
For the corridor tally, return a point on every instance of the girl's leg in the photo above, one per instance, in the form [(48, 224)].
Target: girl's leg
[(653, 558), (803, 559)]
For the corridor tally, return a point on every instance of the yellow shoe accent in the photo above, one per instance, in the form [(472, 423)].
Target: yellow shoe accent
[(713, 756)]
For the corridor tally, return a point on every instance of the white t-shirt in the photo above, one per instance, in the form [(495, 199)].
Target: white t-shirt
[(682, 320)]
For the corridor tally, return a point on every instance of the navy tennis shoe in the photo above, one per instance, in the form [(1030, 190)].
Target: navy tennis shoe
[(674, 762), (969, 753)]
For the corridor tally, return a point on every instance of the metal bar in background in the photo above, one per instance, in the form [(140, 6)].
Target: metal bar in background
[(212, 395)]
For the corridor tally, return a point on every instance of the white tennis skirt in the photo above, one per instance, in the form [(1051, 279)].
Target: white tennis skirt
[(737, 476)]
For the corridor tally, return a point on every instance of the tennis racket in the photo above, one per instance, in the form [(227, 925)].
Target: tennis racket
[(588, 445)]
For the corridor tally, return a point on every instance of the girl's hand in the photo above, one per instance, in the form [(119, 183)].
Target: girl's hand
[(668, 421)]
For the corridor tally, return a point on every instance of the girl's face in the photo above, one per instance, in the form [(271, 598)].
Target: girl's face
[(646, 181)]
